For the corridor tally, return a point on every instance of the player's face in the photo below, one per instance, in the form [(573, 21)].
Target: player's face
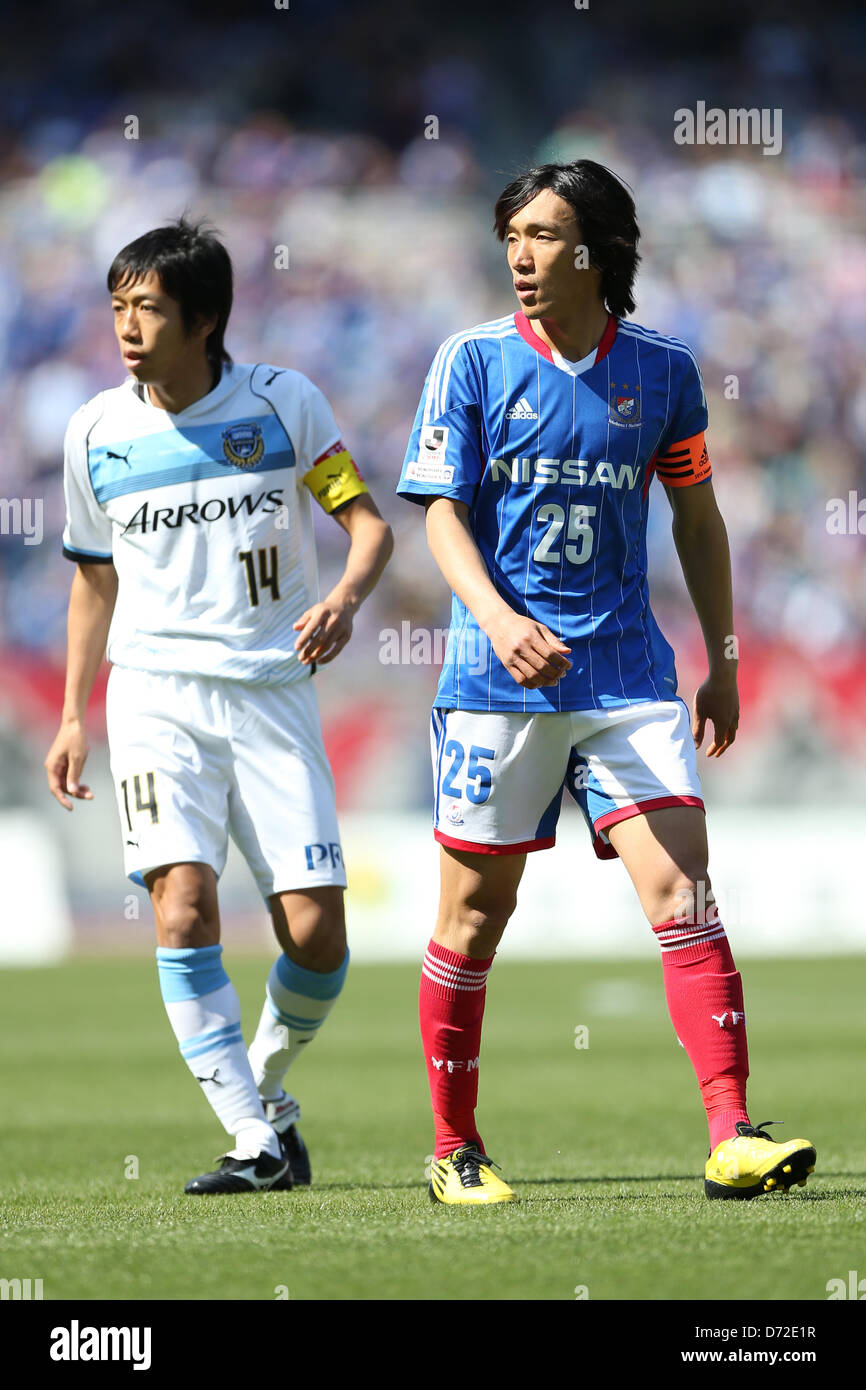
[(541, 243), (154, 343)]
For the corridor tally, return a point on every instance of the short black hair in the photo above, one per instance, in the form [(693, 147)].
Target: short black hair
[(605, 211), (193, 267)]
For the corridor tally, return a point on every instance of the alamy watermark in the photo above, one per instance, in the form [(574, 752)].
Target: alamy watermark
[(22, 516), (698, 906), (77, 1343), (854, 1287), (846, 516), (20, 1289), (422, 646), (736, 126)]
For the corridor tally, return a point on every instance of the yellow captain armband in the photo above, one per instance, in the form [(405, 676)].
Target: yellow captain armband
[(335, 480)]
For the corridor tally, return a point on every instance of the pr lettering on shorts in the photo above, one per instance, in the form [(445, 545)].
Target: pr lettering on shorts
[(318, 854)]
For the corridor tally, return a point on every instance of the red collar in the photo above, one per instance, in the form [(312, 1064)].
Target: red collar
[(524, 328)]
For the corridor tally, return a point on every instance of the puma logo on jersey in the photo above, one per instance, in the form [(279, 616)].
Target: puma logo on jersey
[(575, 471), (273, 378), (109, 453), (149, 518), (720, 1018), (521, 411)]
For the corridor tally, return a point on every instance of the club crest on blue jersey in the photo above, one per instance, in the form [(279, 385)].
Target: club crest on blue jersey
[(624, 406), (243, 445)]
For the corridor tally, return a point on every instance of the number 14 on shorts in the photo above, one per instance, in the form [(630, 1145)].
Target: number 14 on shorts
[(150, 804)]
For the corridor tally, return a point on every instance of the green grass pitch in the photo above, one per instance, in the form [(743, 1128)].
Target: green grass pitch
[(605, 1144)]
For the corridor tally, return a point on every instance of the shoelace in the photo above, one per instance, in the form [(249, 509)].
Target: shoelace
[(467, 1167), (757, 1131)]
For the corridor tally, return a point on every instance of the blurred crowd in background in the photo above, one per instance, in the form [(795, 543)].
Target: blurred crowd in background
[(308, 129)]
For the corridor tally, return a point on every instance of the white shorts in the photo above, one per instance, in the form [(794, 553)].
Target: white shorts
[(196, 760), (498, 778)]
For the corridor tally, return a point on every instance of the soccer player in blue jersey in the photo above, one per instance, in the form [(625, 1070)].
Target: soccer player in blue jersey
[(189, 494), (535, 443)]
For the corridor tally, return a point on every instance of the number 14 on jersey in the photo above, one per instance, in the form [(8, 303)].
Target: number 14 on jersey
[(268, 576)]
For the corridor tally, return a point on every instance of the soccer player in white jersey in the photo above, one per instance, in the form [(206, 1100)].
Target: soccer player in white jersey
[(189, 492), (534, 446)]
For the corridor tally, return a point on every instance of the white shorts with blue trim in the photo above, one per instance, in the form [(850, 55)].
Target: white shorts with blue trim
[(498, 777), (197, 760)]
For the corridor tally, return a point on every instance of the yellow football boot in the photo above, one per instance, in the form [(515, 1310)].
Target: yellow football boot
[(465, 1178), (753, 1163)]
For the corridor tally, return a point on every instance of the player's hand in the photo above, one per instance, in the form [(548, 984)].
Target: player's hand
[(324, 630), (718, 701), (66, 758), (531, 654)]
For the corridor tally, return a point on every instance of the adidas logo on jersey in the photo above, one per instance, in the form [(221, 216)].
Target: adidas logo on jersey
[(522, 411)]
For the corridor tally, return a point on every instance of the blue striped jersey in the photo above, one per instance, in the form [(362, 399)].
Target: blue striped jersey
[(554, 460), (205, 518)]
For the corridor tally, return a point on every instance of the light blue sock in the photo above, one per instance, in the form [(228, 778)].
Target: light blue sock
[(205, 1013), (296, 1005)]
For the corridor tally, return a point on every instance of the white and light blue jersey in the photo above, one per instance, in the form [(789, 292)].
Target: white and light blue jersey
[(205, 518), (554, 460)]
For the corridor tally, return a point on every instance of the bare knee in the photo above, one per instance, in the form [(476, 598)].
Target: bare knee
[(472, 924), (185, 906), (478, 895), (665, 853), (311, 927), (684, 894)]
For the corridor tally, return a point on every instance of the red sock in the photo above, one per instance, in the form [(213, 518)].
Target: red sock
[(451, 1007), (705, 1000)]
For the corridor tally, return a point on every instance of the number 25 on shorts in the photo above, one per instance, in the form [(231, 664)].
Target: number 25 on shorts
[(478, 780)]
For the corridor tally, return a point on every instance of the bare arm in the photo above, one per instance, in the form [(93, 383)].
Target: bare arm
[(702, 546), (91, 605), (528, 650), (325, 628)]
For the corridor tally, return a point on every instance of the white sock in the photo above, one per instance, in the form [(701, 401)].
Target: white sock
[(204, 1011), (297, 1003)]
